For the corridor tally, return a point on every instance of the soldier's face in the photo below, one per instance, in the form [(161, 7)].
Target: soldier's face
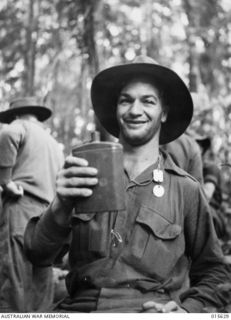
[(139, 113)]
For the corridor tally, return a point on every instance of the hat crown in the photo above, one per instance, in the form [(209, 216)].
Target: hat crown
[(144, 59), (26, 102), (25, 105)]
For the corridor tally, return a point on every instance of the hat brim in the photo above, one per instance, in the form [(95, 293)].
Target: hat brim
[(42, 113), (107, 85)]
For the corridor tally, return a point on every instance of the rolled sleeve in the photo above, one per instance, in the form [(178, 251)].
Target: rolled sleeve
[(192, 305), (45, 239)]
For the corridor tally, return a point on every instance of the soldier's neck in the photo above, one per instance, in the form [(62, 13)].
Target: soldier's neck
[(137, 159)]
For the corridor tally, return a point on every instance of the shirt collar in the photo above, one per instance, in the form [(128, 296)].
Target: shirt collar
[(167, 164)]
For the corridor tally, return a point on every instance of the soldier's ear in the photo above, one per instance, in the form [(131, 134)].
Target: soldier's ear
[(164, 116)]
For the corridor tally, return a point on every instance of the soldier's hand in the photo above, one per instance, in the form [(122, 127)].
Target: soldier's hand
[(75, 180), (59, 274), (13, 190), (154, 307)]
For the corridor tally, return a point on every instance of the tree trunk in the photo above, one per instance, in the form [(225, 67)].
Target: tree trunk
[(194, 75), (30, 47), (151, 47), (89, 50), (193, 64)]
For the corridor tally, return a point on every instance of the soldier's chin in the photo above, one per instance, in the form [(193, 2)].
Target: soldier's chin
[(136, 141)]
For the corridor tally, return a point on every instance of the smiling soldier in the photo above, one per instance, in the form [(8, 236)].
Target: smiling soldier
[(138, 259)]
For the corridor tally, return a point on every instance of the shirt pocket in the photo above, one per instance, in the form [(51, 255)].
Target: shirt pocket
[(156, 244), (90, 236)]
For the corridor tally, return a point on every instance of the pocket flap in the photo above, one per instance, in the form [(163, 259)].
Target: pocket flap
[(161, 227)]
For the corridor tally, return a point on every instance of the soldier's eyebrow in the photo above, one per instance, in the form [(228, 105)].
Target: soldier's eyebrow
[(155, 97), (124, 95), (146, 96)]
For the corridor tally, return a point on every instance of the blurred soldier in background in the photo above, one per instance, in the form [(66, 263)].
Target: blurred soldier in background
[(213, 185), (186, 154), (29, 161)]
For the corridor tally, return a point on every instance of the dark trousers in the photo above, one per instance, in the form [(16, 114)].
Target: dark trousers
[(23, 287)]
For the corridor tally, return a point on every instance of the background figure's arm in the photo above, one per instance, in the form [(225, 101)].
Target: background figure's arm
[(11, 138)]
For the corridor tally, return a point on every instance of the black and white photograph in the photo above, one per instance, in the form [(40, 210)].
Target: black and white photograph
[(115, 159)]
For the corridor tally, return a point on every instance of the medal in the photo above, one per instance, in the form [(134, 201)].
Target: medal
[(158, 175), (158, 190)]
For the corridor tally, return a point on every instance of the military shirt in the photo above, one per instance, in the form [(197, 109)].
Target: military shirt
[(151, 246)]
